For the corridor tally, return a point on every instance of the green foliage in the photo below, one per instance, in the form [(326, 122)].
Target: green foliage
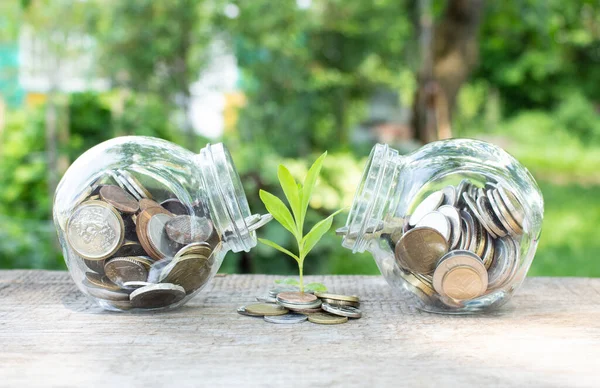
[(298, 196)]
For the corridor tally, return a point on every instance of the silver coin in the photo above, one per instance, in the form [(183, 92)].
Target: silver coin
[(454, 218), (95, 230), (122, 182), (449, 195), (474, 210), (468, 231), (437, 221), (288, 318), (102, 293), (157, 234), (428, 205), (499, 215), (488, 253), (342, 311), (133, 285), (504, 263), (513, 205), (292, 306), (504, 214), (460, 190), (135, 184), (489, 220), (157, 295), (266, 299), (188, 229)]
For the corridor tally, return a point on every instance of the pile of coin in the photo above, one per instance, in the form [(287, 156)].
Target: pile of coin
[(460, 242), (287, 305), (137, 252)]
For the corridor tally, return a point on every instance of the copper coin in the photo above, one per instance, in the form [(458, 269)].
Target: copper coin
[(146, 203), (460, 275), (126, 269), (187, 229), (189, 272), (157, 235), (419, 249), (157, 295), (297, 298), (175, 206), (119, 199), (143, 219)]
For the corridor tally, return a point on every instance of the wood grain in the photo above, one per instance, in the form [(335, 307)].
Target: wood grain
[(51, 335)]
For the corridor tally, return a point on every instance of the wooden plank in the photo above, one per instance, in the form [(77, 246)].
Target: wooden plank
[(50, 335)]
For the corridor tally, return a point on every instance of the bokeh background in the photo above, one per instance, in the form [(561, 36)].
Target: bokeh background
[(282, 81)]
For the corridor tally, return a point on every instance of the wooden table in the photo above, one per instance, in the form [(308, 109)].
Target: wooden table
[(50, 335)]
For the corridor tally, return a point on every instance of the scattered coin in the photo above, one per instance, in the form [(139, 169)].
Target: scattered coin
[(347, 298), (266, 299), (288, 318), (340, 302), (242, 310), (327, 319), (343, 311), (266, 309), (300, 298)]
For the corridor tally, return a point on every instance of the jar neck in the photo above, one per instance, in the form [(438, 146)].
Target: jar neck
[(227, 200), (373, 196)]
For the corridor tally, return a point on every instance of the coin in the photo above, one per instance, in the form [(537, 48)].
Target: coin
[(504, 263), (347, 298), (480, 240), (417, 285), (488, 217), (125, 269), (266, 299), (189, 272), (242, 311), (157, 295), (157, 235), (469, 231), (327, 319), (95, 265), (488, 254), (513, 205), (146, 203), (137, 186), (141, 228), (300, 298), (95, 230), (126, 185), (187, 229), (175, 206), (305, 311), (428, 205), (454, 218), (460, 190), (460, 275), (449, 195), (100, 281), (136, 284), (340, 302), (201, 248), (474, 210), (504, 214), (343, 311), (266, 309), (119, 199), (103, 293), (294, 306), (288, 318), (437, 221), (420, 248), (130, 248)]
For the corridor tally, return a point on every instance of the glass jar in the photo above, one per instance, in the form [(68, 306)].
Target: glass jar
[(456, 223), (145, 224)]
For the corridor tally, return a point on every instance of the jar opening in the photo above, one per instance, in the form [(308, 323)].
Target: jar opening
[(227, 198), (371, 197)]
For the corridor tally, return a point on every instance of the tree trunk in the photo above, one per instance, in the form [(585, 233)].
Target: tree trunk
[(449, 52)]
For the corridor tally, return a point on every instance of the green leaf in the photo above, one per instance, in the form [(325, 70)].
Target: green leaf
[(290, 189), (317, 287), (309, 183), (278, 247), (316, 233), (279, 211)]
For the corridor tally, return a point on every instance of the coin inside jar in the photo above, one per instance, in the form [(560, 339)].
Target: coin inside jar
[(190, 272), (126, 269), (187, 229), (175, 206), (157, 295), (157, 235), (428, 205), (119, 199), (437, 221), (460, 275), (95, 230), (141, 228), (419, 249)]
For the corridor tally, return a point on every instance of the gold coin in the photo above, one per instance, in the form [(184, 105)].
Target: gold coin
[(266, 309), (300, 298), (97, 280), (327, 319), (419, 249), (340, 302), (417, 285), (126, 269), (338, 297), (190, 272), (460, 275)]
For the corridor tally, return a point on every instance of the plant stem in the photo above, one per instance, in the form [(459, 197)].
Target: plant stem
[(301, 270)]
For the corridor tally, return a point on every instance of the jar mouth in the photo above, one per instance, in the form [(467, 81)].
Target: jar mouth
[(227, 197), (370, 199)]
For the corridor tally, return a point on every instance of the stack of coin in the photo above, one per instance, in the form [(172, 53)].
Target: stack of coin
[(292, 306), (460, 242), (139, 253)]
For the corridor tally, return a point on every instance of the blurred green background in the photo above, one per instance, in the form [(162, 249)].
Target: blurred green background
[(280, 82)]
